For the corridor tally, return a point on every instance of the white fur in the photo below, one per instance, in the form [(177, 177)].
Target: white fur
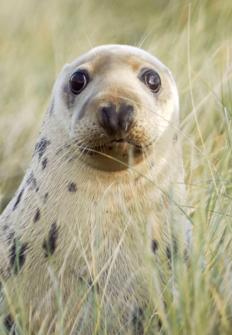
[(106, 228)]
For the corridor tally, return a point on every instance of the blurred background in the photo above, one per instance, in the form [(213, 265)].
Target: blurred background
[(194, 39)]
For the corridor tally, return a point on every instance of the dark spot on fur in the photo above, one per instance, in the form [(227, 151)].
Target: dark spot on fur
[(5, 227), (175, 246), (17, 255), (49, 245), (37, 189), (51, 107), (72, 187), (37, 215), (137, 321), (44, 163), (41, 147), (187, 256), (18, 199), (168, 253), (45, 197), (159, 323), (9, 325), (10, 237), (90, 282), (94, 286), (173, 250), (154, 246), (31, 181)]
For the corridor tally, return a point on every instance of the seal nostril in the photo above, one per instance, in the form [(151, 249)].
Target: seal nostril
[(109, 118), (114, 121), (126, 116)]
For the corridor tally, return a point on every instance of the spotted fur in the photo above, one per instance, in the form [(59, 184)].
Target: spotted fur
[(18, 199), (9, 325), (92, 204), (72, 187), (154, 246), (44, 163), (49, 244), (31, 181), (41, 147), (17, 255), (46, 197), (37, 215), (137, 321)]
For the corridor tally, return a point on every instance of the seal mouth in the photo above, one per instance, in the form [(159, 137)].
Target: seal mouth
[(114, 155), (117, 144), (120, 149)]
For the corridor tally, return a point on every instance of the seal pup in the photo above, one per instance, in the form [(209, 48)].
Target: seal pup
[(99, 205)]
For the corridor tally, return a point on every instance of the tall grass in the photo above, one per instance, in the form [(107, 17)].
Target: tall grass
[(194, 39)]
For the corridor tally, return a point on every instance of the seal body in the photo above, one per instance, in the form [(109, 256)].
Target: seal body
[(100, 204)]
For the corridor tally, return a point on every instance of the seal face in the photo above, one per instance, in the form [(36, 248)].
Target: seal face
[(94, 212), (118, 102)]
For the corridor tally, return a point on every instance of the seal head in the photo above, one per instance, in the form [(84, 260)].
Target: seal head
[(115, 102)]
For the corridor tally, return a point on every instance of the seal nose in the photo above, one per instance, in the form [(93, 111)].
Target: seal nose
[(114, 121)]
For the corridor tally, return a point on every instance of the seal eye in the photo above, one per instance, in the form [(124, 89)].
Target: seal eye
[(152, 80), (78, 81)]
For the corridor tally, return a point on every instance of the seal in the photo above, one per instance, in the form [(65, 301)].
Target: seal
[(99, 207)]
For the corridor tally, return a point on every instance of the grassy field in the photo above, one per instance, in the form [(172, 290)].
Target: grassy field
[(194, 39)]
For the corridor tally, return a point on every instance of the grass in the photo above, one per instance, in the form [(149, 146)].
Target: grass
[(194, 39)]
